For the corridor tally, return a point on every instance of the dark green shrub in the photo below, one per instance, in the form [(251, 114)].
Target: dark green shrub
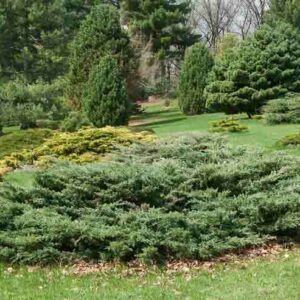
[(105, 100), (74, 121), (49, 124), (262, 68), (198, 62), (285, 110), (26, 103), (186, 197)]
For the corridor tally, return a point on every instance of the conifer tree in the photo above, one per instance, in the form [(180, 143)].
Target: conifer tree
[(99, 35), (163, 25), (197, 64), (262, 68), (104, 98), (289, 10)]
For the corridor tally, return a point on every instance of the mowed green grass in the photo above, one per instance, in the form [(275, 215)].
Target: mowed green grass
[(21, 178), (259, 279), (169, 120)]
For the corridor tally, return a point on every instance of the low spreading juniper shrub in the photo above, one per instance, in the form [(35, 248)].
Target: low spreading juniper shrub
[(185, 197)]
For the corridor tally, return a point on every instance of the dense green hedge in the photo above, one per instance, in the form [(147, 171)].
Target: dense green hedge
[(184, 197)]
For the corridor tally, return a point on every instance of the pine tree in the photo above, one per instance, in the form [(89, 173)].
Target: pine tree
[(104, 98), (262, 68), (163, 25), (99, 35), (35, 34), (31, 39), (198, 62), (289, 10)]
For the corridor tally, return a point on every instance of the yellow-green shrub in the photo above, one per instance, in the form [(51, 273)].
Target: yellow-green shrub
[(228, 125), (84, 146)]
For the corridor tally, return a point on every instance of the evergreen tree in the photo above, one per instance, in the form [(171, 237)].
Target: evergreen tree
[(104, 98), (289, 10), (32, 39), (34, 36), (99, 35), (163, 25), (198, 62), (262, 68)]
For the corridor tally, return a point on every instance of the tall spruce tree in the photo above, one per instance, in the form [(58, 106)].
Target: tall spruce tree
[(32, 39), (99, 35), (34, 36)]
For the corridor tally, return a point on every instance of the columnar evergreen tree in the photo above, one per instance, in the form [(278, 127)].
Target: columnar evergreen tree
[(104, 98), (198, 62), (262, 68), (99, 35)]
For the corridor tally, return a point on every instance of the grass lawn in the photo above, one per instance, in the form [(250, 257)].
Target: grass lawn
[(259, 279), (169, 120), (21, 178)]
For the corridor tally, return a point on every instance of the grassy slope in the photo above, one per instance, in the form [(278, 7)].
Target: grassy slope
[(165, 121), (260, 279)]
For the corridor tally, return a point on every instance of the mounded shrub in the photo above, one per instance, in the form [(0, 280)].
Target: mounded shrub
[(105, 100), (286, 110), (198, 62), (228, 125), (17, 141), (262, 68), (290, 140), (186, 197)]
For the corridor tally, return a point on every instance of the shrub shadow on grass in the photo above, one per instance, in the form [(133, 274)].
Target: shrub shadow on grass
[(161, 122), (161, 113)]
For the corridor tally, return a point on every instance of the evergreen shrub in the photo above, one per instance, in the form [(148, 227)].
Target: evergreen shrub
[(285, 110), (185, 197), (198, 62)]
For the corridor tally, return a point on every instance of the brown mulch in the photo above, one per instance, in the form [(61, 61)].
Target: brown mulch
[(271, 251)]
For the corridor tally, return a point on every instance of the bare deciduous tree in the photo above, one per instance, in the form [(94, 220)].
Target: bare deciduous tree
[(257, 9), (214, 18)]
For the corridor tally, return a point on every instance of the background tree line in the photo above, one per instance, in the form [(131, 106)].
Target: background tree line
[(50, 49)]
